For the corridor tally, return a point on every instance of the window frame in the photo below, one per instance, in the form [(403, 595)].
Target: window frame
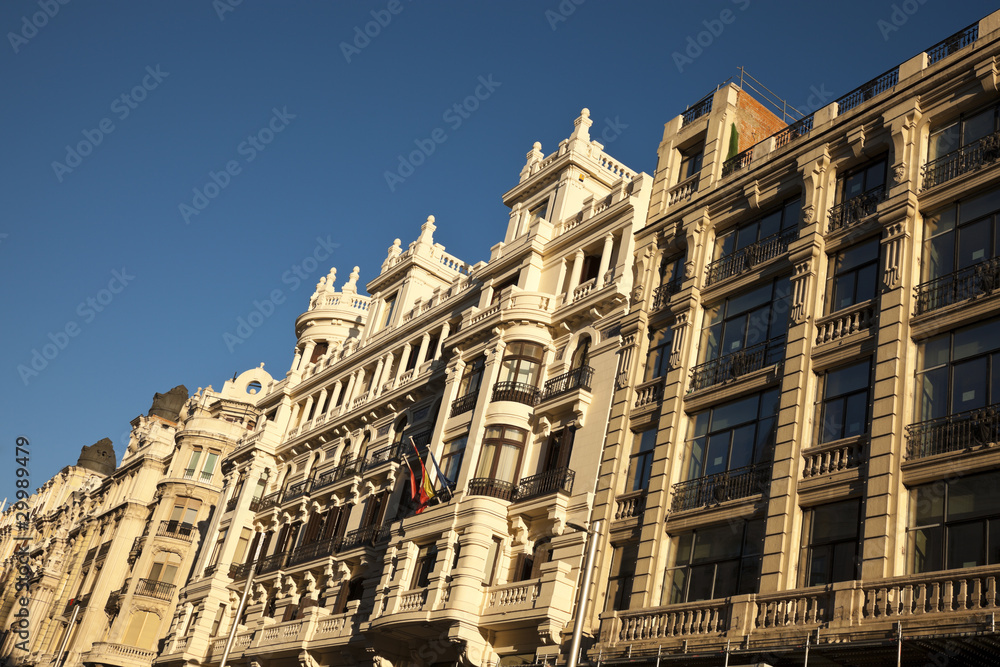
[(826, 400)]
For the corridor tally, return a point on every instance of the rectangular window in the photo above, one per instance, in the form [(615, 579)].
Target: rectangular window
[(954, 523), (733, 435), (217, 550), (968, 129), (658, 357), (451, 458), (832, 547), (501, 454), (388, 306), (492, 558), (853, 275), (423, 566), (958, 371), (241, 545), (218, 620), (714, 562), (640, 465), (753, 242), (756, 319), (844, 410), (620, 582), (472, 377), (867, 178), (691, 161)]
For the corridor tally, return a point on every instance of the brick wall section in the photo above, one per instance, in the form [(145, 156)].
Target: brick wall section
[(753, 121)]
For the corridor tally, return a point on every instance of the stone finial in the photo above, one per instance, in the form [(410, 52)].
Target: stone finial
[(581, 127), (331, 279), (351, 286), (426, 238), (534, 156)]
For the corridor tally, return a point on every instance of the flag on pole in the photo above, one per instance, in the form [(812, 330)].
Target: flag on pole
[(413, 480), (445, 482), (426, 485)]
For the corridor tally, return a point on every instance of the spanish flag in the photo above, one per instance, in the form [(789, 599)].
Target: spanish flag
[(426, 484)]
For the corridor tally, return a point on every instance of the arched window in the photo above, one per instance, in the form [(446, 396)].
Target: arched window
[(397, 431), (521, 363), (581, 356), (501, 456)]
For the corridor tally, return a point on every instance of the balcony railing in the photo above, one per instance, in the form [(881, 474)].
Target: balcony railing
[(324, 480), (80, 602), (464, 403), (578, 378), (176, 529), (649, 392), (267, 502), (730, 485), (662, 294), (856, 209), (978, 154), (698, 110), (956, 42), (209, 570), (369, 536), (493, 488), (202, 476), (231, 503), (393, 452), (867, 91), (630, 505), (160, 590), (799, 128), (737, 162), (519, 392), (732, 366), (296, 491), (273, 562), (239, 571), (313, 551), (347, 469), (972, 281), (559, 480), (256, 504), (746, 258), (954, 432)]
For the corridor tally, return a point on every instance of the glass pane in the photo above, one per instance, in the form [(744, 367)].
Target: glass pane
[(710, 342), (971, 209), (819, 565), (743, 446), (993, 542), (976, 339), (854, 185), (770, 225), (934, 352), (975, 495), (940, 222), (682, 549), (875, 175), (835, 522), (856, 414), (974, 243), (766, 430), (718, 453), (210, 462), (943, 141), (700, 587), (749, 300), (696, 458), (932, 400), (724, 244), (976, 127), (749, 575), (969, 385), (847, 379), (737, 412), (843, 292), (791, 214), (734, 335), (678, 585), (925, 550), (718, 542), (485, 467), (832, 420), (866, 286), (506, 466), (928, 504), (966, 545), (747, 235), (843, 561), (939, 257), (726, 578)]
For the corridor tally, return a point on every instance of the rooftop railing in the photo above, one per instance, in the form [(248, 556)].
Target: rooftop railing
[(952, 44), (697, 111)]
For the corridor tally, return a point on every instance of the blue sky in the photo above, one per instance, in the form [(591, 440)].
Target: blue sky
[(254, 135)]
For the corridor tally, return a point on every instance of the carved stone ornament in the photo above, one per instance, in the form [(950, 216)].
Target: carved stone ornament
[(808, 214), (899, 173)]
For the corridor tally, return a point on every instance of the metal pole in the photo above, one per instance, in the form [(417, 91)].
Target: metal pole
[(899, 647), (658, 649), (727, 654), (60, 657), (243, 602), (581, 605), (806, 663)]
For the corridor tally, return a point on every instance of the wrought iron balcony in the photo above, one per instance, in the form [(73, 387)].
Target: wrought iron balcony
[(950, 45), (393, 452), (662, 294), (160, 590), (176, 529), (968, 283), (272, 562), (732, 366), (239, 571), (464, 403), (209, 570), (256, 504), (347, 469), (369, 536), (313, 551), (578, 378), (519, 392), (730, 485), (80, 602), (325, 480), (867, 91), (737, 162), (559, 480), (746, 258), (267, 502), (296, 491), (953, 433), (856, 209), (697, 111), (493, 488), (136, 549), (231, 503), (977, 155)]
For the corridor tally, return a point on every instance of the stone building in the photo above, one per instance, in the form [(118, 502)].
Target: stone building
[(802, 459)]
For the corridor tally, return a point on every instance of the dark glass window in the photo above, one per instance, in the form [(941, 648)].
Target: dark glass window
[(472, 377), (844, 411), (640, 464), (714, 562), (521, 363), (733, 435), (857, 181), (622, 575), (501, 455), (451, 458), (958, 371), (747, 319), (955, 523), (961, 235), (691, 161), (853, 275), (658, 357), (832, 550), (424, 566), (968, 129), (780, 220)]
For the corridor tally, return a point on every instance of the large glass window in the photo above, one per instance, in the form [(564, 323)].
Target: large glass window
[(424, 565), (451, 458), (623, 562), (856, 182), (714, 562), (521, 363), (955, 523), (844, 410), (853, 275), (968, 129), (962, 235), (958, 371), (658, 357), (501, 456), (691, 161), (640, 464), (746, 320), (832, 547), (472, 377), (779, 221), (733, 435)]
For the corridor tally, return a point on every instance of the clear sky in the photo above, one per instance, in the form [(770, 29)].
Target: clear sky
[(285, 118)]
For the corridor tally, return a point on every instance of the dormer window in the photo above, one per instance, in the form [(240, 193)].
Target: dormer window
[(691, 161), (538, 213), (388, 306)]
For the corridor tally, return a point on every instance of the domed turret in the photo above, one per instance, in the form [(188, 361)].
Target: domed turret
[(100, 456)]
